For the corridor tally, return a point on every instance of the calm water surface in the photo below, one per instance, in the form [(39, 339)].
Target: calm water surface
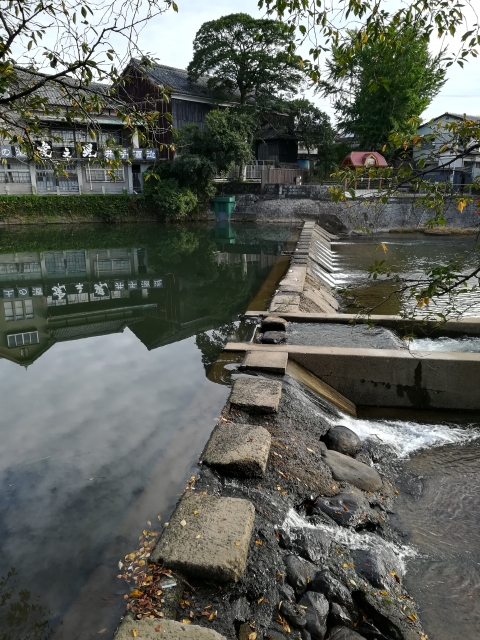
[(107, 340)]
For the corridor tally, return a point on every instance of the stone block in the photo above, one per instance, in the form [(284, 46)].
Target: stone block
[(256, 395), (264, 360), (207, 538), (169, 630), (238, 449)]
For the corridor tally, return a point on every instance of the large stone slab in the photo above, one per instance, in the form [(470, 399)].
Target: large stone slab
[(256, 395), (265, 360), (168, 630), (238, 449), (207, 538), (348, 469)]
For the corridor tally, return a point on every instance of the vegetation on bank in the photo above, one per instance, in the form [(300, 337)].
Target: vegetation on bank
[(88, 208)]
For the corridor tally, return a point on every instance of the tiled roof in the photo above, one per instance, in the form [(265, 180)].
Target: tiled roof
[(177, 80)]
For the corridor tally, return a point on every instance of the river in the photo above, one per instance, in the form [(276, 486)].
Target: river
[(107, 338)]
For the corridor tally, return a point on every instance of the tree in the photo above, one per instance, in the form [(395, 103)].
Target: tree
[(343, 28), (80, 44), (247, 56), (312, 127), (384, 86)]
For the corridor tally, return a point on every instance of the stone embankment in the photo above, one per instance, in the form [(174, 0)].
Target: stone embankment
[(284, 532)]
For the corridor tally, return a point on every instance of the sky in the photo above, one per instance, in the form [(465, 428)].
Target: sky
[(169, 37)]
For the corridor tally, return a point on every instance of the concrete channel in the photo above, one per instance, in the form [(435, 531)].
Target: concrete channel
[(249, 552)]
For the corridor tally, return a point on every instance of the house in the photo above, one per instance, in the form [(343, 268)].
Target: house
[(458, 171), (68, 142)]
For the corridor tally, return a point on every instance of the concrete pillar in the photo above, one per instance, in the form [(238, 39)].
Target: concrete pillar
[(33, 177), (129, 178)]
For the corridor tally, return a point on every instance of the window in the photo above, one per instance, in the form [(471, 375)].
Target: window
[(99, 174), (18, 310), (21, 339)]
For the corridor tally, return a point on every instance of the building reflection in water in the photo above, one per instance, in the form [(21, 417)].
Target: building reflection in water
[(57, 296)]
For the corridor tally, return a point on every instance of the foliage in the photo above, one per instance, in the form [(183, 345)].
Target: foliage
[(247, 56), (173, 199), (384, 86), (72, 41)]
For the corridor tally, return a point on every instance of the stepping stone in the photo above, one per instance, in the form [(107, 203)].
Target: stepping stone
[(274, 323), (169, 630), (238, 449), (264, 360), (256, 395), (207, 538)]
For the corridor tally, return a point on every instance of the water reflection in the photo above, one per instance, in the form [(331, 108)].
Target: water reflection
[(98, 434)]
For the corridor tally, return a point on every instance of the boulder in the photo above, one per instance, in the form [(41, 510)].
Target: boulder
[(311, 544), (343, 440), (317, 612), (272, 337), (326, 583), (299, 573), (375, 567), (344, 633), (339, 616), (346, 469), (273, 323)]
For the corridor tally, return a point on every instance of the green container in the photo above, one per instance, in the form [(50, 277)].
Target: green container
[(223, 206)]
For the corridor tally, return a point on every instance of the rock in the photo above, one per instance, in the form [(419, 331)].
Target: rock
[(238, 449), (339, 616), (311, 544), (274, 323), (347, 509), (265, 360), (326, 583), (240, 610), (293, 614), (346, 469), (273, 337), (317, 612), (344, 633), (170, 630), (202, 536), (343, 440), (256, 395), (375, 567), (299, 573)]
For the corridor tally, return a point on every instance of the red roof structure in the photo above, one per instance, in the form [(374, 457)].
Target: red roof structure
[(364, 159)]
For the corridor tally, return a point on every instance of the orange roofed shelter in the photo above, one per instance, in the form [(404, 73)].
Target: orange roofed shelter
[(365, 159)]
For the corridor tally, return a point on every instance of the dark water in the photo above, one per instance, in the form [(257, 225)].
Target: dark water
[(108, 393), (407, 256)]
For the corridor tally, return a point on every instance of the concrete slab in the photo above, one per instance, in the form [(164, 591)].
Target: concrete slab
[(256, 395), (271, 361), (207, 538), (238, 449), (169, 630)]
